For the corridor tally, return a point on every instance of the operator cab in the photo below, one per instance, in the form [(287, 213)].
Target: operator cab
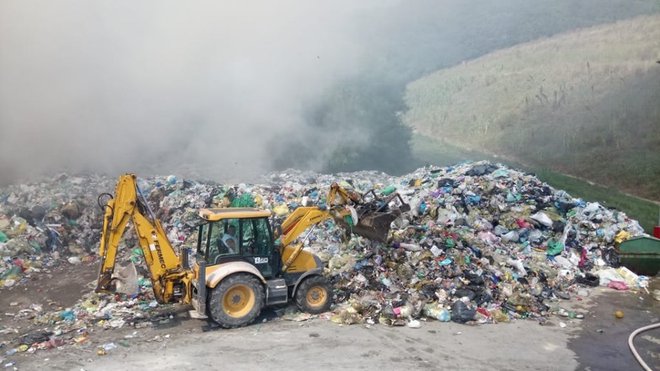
[(238, 234)]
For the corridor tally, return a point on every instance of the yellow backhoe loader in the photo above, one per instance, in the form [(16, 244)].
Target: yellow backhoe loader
[(237, 268)]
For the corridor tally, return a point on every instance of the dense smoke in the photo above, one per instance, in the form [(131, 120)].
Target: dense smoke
[(161, 86), (226, 90)]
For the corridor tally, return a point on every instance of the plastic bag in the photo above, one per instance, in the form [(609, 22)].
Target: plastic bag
[(607, 275), (461, 313), (618, 285), (554, 248)]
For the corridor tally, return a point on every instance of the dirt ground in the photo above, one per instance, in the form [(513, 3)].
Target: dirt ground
[(597, 342)]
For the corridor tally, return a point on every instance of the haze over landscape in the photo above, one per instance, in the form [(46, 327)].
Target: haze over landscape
[(230, 91)]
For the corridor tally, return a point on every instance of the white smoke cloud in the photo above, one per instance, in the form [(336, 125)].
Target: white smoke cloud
[(162, 85)]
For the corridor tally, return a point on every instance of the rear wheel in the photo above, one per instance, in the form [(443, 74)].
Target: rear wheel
[(237, 300), (314, 295)]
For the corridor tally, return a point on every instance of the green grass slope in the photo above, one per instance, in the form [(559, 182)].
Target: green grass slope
[(585, 103)]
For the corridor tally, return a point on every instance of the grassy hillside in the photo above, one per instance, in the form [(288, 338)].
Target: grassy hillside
[(435, 152), (586, 103)]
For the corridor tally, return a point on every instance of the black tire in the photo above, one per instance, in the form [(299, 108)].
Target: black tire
[(237, 300), (314, 295)]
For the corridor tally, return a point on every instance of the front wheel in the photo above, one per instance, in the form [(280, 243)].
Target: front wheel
[(237, 300), (314, 295)]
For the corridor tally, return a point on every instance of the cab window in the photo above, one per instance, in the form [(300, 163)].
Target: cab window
[(222, 240), (255, 237), (202, 241)]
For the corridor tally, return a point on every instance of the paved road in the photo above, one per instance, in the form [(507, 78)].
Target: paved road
[(596, 343)]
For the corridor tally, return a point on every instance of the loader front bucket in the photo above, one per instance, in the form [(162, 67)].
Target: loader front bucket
[(374, 220), (375, 216), (374, 226)]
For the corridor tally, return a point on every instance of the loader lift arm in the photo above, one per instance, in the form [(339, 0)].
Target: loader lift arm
[(310, 216), (295, 224), (374, 218), (304, 217), (170, 279)]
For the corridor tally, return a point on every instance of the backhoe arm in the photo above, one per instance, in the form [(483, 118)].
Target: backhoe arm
[(118, 211), (169, 279)]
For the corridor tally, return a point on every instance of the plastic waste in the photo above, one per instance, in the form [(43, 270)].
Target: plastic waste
[(607, 275), (588, 279), (444, 315), (511, 236), (554, 248), (436, 311), (408, 246), (461, 313), (436, 251), (68, 315), (109, 346), (446, 261), (388, 190), (618, 285), (414, 324), (629, 277), (281, 210), (11, 351), (518, 265), (543, 219), (499, 316)]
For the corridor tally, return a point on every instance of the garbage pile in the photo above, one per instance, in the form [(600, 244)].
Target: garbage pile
[(43, 223), (59, 221), (482, 243)]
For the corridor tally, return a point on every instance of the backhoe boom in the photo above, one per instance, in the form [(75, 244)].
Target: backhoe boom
[(170, 280)]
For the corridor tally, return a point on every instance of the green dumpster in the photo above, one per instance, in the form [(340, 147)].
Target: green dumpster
[(641, 255)]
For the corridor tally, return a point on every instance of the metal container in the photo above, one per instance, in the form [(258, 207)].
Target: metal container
[(641, 255)]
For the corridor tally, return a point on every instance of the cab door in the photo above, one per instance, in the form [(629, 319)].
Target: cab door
[(256, 244)]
